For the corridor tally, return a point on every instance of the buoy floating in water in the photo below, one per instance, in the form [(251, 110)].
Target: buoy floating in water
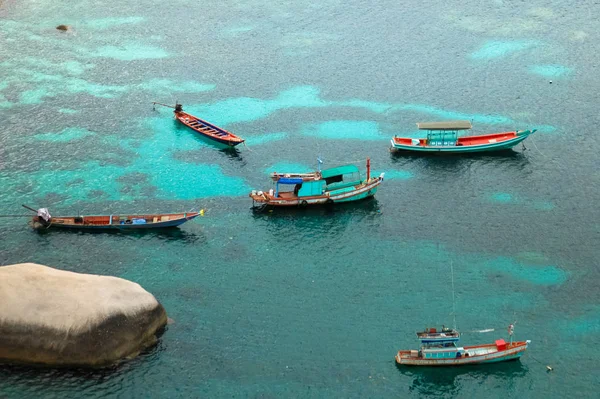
[(549, 368)]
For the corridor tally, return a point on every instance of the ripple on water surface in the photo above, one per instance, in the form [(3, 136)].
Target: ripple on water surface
[(69, 134), (550, 71), (534, 274), (497, 49), (348, 130), (507, 198)]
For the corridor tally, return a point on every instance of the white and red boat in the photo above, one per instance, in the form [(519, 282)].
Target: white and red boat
[(444, 137), (441, 349)]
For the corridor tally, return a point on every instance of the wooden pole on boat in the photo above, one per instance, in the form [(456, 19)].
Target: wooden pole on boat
[(31, 209), (368, 169), (164, 105), (453, 302)]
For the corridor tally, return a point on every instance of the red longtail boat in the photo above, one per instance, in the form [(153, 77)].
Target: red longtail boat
[(203, 127)]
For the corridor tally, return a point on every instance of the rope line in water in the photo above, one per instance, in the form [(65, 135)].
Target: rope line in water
[(14, 216)]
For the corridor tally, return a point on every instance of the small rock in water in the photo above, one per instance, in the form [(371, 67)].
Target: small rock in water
[(550, 82), (63, 27), (170, 320)]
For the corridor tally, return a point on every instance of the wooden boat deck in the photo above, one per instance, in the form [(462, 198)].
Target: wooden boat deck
[(105, 220), (208, 129)]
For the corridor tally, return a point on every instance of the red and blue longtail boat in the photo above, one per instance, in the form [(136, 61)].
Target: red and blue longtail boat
[(43, 221), (444, 137)]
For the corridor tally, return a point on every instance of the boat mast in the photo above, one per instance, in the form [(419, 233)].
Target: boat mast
[(368, 169), (453, 305)]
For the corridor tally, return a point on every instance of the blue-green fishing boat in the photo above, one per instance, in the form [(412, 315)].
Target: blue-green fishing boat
[(329, 186), (444, 137)]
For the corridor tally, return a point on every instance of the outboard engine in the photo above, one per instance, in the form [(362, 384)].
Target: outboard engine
[(178, 107), (44, 216)]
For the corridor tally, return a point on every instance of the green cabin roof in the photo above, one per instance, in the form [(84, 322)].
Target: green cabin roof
[(449, 125), (340, 170)]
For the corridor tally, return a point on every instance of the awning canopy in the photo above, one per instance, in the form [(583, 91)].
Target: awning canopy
[(449, 125), (290, 180), (340, 170)]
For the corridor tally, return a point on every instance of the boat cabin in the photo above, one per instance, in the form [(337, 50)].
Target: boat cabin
[(333, 181), (447, 352), (433, 336), (440, 344), (442, 133)]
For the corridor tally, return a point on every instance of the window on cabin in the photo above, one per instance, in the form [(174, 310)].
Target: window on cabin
[(334, 179), (287, 188)]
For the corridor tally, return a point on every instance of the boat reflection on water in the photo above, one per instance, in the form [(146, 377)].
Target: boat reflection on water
[(196, 236), (367, 206), (438, 382), (294, 224)]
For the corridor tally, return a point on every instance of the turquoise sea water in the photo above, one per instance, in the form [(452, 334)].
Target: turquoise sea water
[(313, 303)]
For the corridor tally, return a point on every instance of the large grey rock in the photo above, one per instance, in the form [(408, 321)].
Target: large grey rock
[(55, 317)]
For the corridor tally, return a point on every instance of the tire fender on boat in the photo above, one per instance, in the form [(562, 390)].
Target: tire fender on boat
[(303, 203)]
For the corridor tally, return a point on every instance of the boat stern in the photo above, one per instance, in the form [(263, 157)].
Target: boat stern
[(260, 196), (407, 357)]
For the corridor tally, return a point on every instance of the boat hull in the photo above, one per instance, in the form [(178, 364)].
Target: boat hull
[(495, 142), (481, 354), (91, 224), (363, 191), (208, 130)]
